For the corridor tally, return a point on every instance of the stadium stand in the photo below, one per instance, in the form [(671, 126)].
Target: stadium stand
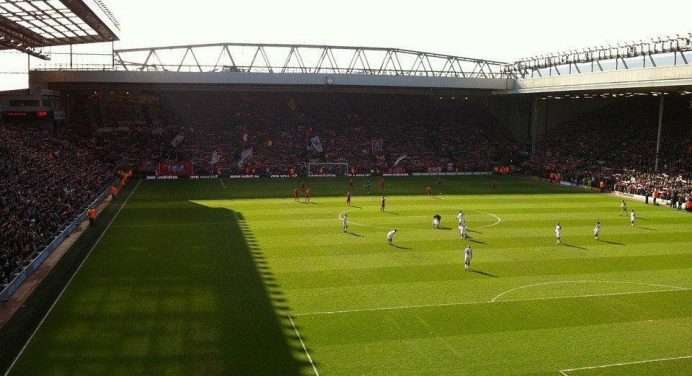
[(436, 136), (617, 145), (45, 182)]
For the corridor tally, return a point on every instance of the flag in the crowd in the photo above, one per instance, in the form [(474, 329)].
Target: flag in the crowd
[(401, 158), (177, 140), (316, 143), (215, 157), (245, 154), (377, 145)]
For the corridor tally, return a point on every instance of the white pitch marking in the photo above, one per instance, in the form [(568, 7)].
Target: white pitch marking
[(582, 281), (564, 371), (490, 214), (304, 347), (341, 218), (483, 302), (70, 280)]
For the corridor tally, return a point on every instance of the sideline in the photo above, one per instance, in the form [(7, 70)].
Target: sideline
[(17, 299), (70, 280), (304, 347)]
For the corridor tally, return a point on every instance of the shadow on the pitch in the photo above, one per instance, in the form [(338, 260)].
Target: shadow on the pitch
[(644, 228), (475, 241), (355, 207), (434, 198), (250, 289), (609, 242), (444, 228), (388, 212), (469, 230), (399, 247), (354, 234), (574, 246), (482, 273)]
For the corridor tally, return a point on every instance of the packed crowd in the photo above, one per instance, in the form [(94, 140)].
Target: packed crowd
[(674, 190), (370, 133), (45, 181), (615, 148)]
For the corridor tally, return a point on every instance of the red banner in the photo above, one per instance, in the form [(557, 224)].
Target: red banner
[(175, 169)]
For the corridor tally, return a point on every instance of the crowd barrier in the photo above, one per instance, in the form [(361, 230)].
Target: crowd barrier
[(276, 176), (11, 287), (451, 173)]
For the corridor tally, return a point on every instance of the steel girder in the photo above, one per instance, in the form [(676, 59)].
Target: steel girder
[(302, 58), (620, 56)]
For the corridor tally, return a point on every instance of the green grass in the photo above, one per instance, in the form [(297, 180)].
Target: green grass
[(200, 278)]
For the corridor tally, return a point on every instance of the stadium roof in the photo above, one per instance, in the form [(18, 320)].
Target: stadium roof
[(28, 25)]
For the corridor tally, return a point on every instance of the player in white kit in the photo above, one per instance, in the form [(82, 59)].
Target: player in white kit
[(390, 236), (345, 220), (623, 207), (633, 218), (463, 231), (468, 253), (436, 223), (597, 230), (558, 232), (460, 217)]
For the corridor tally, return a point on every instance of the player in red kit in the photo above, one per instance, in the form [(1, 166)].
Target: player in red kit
[(429, 190), (382, 184), (348, 199), (494, 185), (382, 203), (295, 194), (439, 182), (350, 183), (302, 186), (307, 195)]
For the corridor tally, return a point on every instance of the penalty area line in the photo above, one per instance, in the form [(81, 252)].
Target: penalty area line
[(70, 280), (394, 308), (565, 372), (584, 281), (305, 349)]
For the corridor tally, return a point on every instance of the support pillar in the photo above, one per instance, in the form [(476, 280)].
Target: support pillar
[(660, 127), (534, 124)]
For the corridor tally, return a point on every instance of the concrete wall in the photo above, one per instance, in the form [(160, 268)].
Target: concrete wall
[(45, 78), (645, 78)]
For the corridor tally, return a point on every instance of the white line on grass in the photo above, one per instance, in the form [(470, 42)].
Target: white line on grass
[(483, 302), (341, 218), (70, 280), (490, 214), (304, 347), (565, 371), (582, 281)]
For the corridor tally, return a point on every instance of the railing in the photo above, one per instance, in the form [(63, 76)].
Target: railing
[(17, 281)]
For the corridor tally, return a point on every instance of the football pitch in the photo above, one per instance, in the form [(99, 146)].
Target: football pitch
[(233, 277)]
